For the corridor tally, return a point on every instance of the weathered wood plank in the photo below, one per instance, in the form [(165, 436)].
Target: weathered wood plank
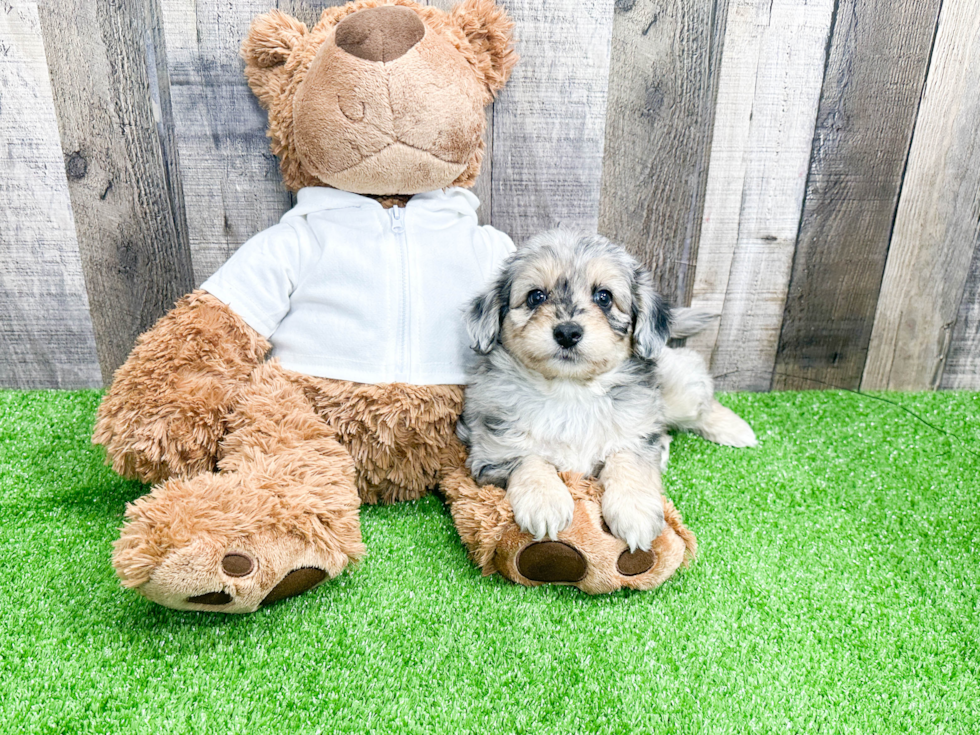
[(793, 44), (876, 69), (46, 338), (549, 121), (963, 362), (483, 186), (662, 84), (128, 217), (231, 183), (938, 221), (747, 20), (159, 79)]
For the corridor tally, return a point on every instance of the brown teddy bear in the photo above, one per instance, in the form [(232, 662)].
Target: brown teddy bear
[(377, 116)]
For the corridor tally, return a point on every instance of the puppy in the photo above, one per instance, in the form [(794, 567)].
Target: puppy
[(573, 374)]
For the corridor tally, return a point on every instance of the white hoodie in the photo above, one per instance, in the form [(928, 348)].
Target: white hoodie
[(346, 289)]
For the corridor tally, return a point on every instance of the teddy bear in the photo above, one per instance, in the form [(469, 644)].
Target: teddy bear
[(322, 366)]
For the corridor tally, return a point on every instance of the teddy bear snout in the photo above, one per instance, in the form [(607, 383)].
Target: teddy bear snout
[(380, 34)]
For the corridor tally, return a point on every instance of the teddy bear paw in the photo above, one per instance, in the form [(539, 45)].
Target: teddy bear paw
[(589, 557), (585, 554), (562, 562), (218, 543), (238, 577)]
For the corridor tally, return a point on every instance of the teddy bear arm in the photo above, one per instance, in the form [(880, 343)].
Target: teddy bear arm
[(166, 409)]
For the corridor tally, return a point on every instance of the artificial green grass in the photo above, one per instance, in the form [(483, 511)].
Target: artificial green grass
[(836, 591)]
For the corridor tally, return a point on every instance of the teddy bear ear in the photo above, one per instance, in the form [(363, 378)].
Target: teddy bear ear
[(489, 31), (266, 48)]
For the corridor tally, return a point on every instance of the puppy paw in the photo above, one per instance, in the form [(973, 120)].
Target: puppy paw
[(542, 505), (634, 515)]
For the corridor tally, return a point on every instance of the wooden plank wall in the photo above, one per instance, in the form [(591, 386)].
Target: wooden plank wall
[(871, 89), (46, 338), (938, 220), (549, 123), (755, 245), (128, 218), (663, 78), (808, 169)]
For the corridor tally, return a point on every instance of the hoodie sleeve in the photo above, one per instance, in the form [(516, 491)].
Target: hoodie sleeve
[(258, 280)]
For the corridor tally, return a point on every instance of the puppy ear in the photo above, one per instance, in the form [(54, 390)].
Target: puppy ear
[(270, 40), (485, 317), (651, 317), (489, 31)]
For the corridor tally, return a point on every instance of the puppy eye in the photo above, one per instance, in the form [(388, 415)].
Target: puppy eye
[(536, 298), (603, 298)]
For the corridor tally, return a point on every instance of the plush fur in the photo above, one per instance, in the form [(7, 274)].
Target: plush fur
[(412, 125), (168, 405), (259, 471)]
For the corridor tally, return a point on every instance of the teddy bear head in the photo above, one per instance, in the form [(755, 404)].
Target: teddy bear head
[(382, 97)]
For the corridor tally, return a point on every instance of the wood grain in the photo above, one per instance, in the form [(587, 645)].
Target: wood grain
[(549, 121), (46, 337), (776, 153), (963, 361), (876, 69), (747, 21), (776, 163), (662, 84), (938, 220), (131, 236), (231, 183)]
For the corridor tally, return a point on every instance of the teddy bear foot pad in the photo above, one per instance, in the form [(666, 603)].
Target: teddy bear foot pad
[(235, 557), (295, 583), (556, 561), (585, 555), (255, 573)]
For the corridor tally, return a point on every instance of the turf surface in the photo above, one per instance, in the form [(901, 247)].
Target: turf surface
[(836, 591)]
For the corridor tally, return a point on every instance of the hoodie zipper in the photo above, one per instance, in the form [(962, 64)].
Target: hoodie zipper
[(396, 214)]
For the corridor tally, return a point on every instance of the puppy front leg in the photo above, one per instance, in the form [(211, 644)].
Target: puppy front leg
[(631, 501), (541, 501)]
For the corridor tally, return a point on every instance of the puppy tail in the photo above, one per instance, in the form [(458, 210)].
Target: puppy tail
[(686, 322)]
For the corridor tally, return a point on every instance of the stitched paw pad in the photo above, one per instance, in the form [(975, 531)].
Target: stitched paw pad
[(257, 572), (219, 544), (585, 555), (551, 561)]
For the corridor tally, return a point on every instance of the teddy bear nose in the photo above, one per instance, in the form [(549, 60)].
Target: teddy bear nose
[(379, 34)]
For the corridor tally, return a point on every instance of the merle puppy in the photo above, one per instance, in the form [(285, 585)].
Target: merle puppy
[(574, 375)]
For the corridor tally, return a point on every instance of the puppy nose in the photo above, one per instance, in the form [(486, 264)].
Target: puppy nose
[(379, 34), (568, 334)]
